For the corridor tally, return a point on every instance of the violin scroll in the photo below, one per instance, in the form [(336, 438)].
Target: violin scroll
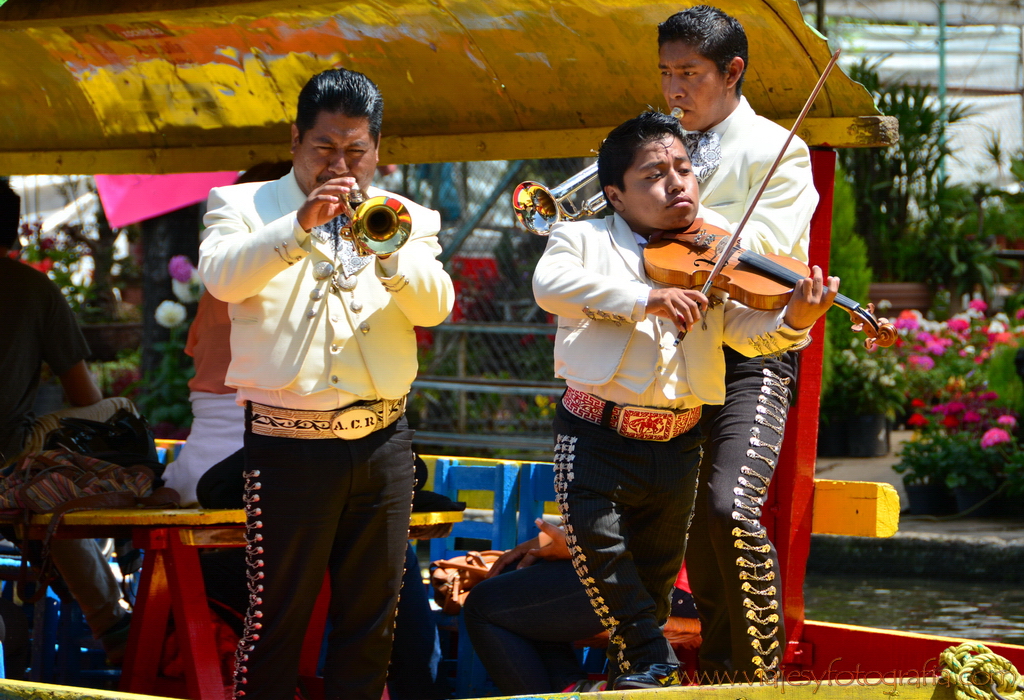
[(879, 331)]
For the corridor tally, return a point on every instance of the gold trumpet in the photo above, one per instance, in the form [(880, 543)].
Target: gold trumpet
[(378, 225), (538, 208)]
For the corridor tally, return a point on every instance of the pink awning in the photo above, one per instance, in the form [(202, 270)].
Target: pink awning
[(130, 198)]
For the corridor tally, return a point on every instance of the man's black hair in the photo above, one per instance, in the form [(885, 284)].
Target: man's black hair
[(619, 149), (342, 92), (713, 34), (10, 215)]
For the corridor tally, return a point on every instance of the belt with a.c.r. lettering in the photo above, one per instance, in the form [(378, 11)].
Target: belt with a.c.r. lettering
[(348, 423)]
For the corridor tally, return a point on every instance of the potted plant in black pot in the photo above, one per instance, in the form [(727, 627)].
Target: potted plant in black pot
[(866, 390), (967, 446)]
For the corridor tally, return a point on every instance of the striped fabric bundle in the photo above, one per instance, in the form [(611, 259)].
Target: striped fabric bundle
[(61, 482), (42, 481)]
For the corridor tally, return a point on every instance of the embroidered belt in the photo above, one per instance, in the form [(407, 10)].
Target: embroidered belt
[(637, 422), (348, 423)]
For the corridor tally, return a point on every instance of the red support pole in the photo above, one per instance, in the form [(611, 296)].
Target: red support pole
[(788, 511)]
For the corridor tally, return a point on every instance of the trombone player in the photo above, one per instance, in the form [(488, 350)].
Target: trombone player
[(323, 300)]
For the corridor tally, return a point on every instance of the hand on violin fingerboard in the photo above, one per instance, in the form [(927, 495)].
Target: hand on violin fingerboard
[(683, 307), (812, 297)]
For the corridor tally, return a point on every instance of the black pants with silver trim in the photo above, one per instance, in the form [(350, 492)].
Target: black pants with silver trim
[(732, 565), (626, 505), (314, 506)]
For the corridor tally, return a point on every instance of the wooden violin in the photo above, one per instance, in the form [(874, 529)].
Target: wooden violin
[(760, 281)]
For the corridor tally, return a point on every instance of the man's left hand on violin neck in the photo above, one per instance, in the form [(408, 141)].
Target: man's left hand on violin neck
[(812, 297)]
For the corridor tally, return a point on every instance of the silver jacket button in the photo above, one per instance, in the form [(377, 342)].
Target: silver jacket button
[(322, 270), (356, 306), (364, 327)]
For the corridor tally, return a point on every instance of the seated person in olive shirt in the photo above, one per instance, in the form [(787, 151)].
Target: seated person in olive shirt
[(39, 326)]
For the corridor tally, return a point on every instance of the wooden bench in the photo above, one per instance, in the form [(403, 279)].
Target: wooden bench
[(172, 584)]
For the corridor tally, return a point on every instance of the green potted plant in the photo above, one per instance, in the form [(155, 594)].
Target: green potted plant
[(866, 390)]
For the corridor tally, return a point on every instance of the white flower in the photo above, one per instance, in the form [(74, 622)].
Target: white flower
[(996, 327), (188, 292), (170, 313)]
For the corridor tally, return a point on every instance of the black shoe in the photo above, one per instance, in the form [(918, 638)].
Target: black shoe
[(648, 676)]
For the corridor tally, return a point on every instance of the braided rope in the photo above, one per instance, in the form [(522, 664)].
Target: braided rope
[(976, 673)]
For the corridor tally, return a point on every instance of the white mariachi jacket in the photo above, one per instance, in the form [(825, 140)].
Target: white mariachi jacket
[(591, 275), (780, 223), (279, 331)]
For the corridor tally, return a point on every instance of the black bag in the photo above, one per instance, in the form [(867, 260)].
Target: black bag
[(122, 437)]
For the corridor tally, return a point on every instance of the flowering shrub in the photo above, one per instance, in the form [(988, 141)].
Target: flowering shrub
[(866, 382), (945, 359), (165, 402), (965, 432)]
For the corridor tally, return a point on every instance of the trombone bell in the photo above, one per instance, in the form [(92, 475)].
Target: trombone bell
[(380, 226), (535, 208)]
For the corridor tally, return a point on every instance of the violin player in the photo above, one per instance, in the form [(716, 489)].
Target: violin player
[(627, 434), (735, 580), (323, 355)]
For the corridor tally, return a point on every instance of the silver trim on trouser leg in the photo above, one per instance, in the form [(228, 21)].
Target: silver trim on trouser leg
[(254, 576), (749, 499), (565, 448)]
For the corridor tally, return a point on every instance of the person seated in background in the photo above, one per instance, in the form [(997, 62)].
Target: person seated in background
[(524, 618), (218, 422), (640, 359), (39, 327)]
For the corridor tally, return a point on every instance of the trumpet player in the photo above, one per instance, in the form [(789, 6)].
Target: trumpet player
[(323, 355), (703, 58)]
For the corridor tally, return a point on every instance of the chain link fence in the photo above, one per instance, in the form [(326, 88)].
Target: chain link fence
[(486, 385)]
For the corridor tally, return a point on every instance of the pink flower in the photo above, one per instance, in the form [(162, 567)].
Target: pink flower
[(971, 416), (955, 407), (978, 305), (988, 396), (180, 268), (958, 325), (923, 361), (1007, 420), (994, 436), (907, 320), (1020, 314)]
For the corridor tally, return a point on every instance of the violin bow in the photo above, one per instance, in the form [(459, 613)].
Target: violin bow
[(734, 239)]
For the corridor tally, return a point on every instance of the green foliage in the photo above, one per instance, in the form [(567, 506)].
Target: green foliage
[(892, 184), (166, 390), (1001, 372), (864, 383), (946, 250), (956, 459), (848, 261)]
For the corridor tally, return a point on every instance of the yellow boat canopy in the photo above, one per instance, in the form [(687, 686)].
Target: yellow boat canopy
[(97, 86)]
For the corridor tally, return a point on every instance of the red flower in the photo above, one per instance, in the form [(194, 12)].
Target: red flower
[(917, 403), (916, 420), (950, 421)]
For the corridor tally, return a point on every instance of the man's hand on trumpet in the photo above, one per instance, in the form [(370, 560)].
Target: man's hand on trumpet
[(326, 202)]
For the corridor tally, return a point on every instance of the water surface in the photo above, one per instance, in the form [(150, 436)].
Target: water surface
[(976, 611)]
